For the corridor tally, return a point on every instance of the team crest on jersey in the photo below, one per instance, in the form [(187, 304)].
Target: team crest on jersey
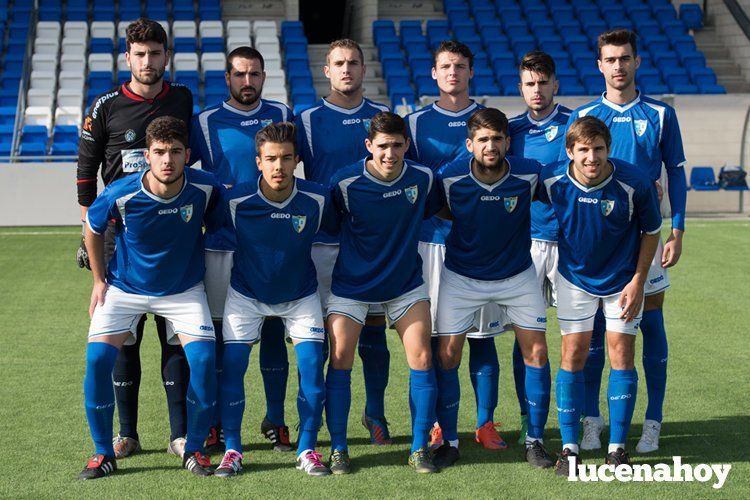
[(366, 123), (298, 222), (550, 133), (130, 135), (412, 192), (265, 123), (186, 212), (510, 203), (607, 206), (640, 127)]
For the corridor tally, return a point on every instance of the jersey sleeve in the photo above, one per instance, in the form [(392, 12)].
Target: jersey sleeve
[(302, 146), (215, 217), (91, 148), (541, 188), (100, 212), (411, 153), (338, 207), (197, 142), (673, 156), (563, 152), (646, 201), (329, 220)]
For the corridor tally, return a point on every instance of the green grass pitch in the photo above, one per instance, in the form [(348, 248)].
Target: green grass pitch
[(45, 441)]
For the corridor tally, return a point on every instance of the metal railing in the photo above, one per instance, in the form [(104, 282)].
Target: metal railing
[(739, 15)]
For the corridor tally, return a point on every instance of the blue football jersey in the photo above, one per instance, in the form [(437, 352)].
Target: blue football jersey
[(645, 133), (223, 139), (438, 137), (600, 226), (159, 246), (490, 238), (331, 137), (540, 141), (378, 259), (272, 263)]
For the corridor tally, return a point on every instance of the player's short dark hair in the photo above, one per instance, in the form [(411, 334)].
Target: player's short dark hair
[(167, 129), (453, 47), (276, 133), (490, 118), (538, 62), (619, 37), (145, 30), (245, 52), (386, 122), (585, 130), (345, 43)]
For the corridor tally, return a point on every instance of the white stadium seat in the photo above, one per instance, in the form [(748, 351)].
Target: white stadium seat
[(184, 29), (73, 62), (101, 62), (185, 62), (76, 30), (213, 61), (71, 80), (265, 27), (122, 63), (73, 46), (46, 46), (48, 29), (39, 97), (44, 61), (234, 42), (103, 29), (238, 28), (68, 115), (43, 79), (122, 27), (70, 98), (212, 29), (38, 115)]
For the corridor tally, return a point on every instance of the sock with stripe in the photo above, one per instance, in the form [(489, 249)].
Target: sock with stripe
[(312, 392), (201, 396), (274, 368), (232, 402), (98, 396)]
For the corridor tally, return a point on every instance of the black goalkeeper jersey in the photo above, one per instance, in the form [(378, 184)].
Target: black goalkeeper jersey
[(114, 133)]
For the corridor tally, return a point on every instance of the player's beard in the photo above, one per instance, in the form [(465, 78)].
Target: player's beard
[(167, 181), (156, 76), (490, 168), (246, 101), (350, 91)]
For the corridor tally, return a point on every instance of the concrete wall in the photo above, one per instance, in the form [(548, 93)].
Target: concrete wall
[(363, 13), (731, 34)]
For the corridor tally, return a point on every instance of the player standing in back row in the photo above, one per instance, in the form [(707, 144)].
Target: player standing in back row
[(114, 136), (645, 133), (222, 138), (332, 135), (538, 135), (438, 136)]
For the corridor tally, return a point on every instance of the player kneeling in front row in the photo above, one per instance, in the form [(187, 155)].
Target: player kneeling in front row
[(275, 220), (609, 229), (381, 201), (488, 261), (157, 267)]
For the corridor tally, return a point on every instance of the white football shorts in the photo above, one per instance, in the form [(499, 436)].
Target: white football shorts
[(545, 257), (395, 309), (243, 318), (186, 313), (576, 309), (518, 297), (658, 279)]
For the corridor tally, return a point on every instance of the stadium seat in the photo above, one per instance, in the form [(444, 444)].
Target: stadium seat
[(102, 29), (7, 115), (71, 80), (711, 89), (692, 15), (49, 46), (39, 97), (43, 62), (238, 28), (703, 179), (213, 61), (48, 30), (211, 29)]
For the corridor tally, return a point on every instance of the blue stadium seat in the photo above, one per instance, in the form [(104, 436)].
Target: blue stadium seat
[(34, 134), (103, 11), (692, 59), (703, 179), (190, 79), (711, 89), (409, 27), (130, 11), (664, 13), (209, 10), (33, 149), (394, 67), (381, 28), (7, 115), (683, 43), (101, 79), (292, 29), (65, 133), (67, 148), (486, 88), (702, 76), (185, 45), (594, 84), (692, 15), (296, 48), (6, 132), (685, 88), (425, 86), (102, 46), (212, 44)]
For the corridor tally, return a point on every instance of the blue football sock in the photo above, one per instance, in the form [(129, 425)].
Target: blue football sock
[(218, 330), (98, 395), (569, 387), (592, 370), (655, 354), (423, 391), (519, 378), (621, 393), (484, 371), (337, 403), (232, 402), (274, 368), (201, 396), (376, 362), (448, 397), (176, 375), (312, 392), (537, 392)]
